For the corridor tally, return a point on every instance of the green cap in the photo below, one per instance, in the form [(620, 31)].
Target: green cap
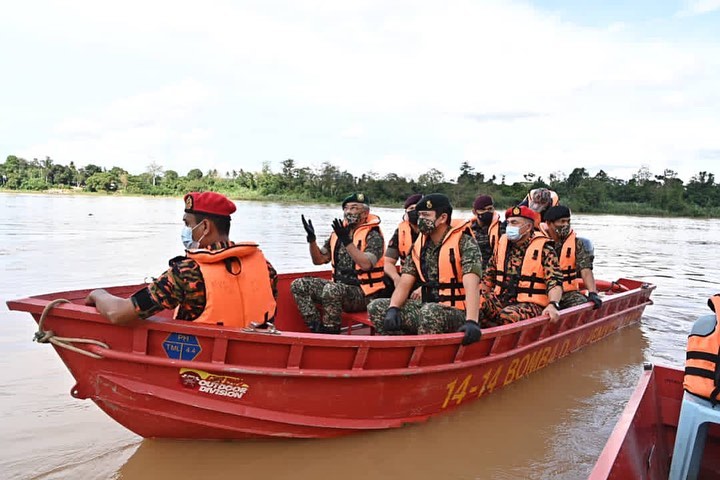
[(356, 198)]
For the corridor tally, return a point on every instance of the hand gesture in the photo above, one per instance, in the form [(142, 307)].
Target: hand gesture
[(472, 332), (309, 229), (392, 321), (595, 299), (342, 232)]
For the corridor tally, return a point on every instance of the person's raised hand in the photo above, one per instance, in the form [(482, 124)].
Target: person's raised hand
[(309, 229), (342, 232)]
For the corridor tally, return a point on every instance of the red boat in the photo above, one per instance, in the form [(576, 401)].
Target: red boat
[(175, 379), (641, 445)]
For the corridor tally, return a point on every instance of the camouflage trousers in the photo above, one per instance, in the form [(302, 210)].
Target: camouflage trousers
[(417, 318), (571, 299), (335, 298), (493, 312)]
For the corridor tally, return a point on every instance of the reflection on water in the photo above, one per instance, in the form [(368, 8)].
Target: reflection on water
[(552, 424)]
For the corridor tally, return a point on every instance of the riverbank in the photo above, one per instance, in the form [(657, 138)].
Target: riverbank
[(605, 208)]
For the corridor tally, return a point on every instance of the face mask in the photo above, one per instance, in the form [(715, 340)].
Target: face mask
[(513, 232), (563, 231), (352, 218), (485, 218), (412, 217), (426, 225), (187, 240)]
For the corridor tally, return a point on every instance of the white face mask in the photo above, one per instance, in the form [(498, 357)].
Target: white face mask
[(513, 232), (187, 240)]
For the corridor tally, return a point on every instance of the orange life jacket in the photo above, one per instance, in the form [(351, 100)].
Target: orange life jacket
[(405, 240), (702, 364), (449, 284), (568, 265), (370, 281), (531, 286), (237, 285)]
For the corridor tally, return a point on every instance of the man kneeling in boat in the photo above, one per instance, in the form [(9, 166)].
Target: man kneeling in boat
[(576, 258), (446, 260), (523, 278), (218, 282), (355, 249)]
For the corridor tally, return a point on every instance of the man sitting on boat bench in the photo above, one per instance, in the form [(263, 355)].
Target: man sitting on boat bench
[(523, 279), (575, 255), (218, 282), (355, 249), (446, 260)]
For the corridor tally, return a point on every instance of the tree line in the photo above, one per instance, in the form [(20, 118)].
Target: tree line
[(646, 193)]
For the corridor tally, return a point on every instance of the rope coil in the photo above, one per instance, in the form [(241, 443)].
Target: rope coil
[(48, 336)]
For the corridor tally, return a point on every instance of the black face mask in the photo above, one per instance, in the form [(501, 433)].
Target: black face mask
[(412, 217), (485, 218)]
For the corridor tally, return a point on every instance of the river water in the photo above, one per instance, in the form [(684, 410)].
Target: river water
[(550, 425)]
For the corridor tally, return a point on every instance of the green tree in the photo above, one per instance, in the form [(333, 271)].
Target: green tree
[(194, 174)]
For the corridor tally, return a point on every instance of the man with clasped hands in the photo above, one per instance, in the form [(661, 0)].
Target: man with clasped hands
[(446, 260), (355, 250)]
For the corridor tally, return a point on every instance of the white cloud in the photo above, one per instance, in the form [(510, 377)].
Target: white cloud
[(353, 131), (132, 132), (699, 7), (416, 86)]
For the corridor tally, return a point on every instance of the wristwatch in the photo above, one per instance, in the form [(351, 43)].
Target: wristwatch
[(555, 304)]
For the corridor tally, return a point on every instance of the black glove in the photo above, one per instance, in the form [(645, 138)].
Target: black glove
[(392, 320), (308, 226), (342, 232), (472, 332), (595, 299)]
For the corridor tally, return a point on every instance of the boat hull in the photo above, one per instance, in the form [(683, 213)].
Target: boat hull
[(169, 379), (641, 445)]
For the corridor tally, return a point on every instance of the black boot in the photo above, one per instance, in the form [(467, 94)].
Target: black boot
[(331, 329)]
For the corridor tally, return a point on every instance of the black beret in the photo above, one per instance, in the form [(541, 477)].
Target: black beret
[(435, 202), (356, 198), (556, 213)]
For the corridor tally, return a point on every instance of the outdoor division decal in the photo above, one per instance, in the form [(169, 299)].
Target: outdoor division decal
[(211, 384)]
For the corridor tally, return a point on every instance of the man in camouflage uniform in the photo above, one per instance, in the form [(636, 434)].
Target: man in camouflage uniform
[(499, 303), (344, 292), (434, 313), (486, 226), (539, 200), (557, 227), (207, 216), (400, 245)]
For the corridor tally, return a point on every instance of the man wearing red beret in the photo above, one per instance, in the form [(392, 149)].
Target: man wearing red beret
[(217, 282), (523, 278), (355, 250), (486, 226)]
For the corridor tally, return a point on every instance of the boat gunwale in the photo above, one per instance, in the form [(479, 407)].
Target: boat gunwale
[(554, 333)]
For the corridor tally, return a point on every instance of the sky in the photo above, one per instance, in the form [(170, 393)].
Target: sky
[(399, 86)]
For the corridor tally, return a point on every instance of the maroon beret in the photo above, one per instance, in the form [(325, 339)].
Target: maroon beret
[(209, 203), (412, 199), (482, 201), (525, 212)]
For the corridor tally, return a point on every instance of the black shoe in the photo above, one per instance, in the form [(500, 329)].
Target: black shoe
[(330, 329)]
